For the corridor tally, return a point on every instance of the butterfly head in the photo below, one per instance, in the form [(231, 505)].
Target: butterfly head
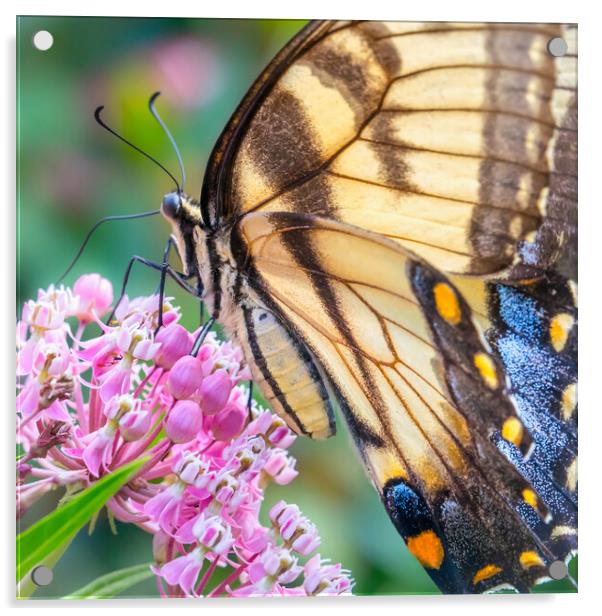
[(178, 208), (171, 205), (184, 215)]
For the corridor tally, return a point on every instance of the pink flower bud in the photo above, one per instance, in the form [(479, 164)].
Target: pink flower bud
[(229, 423), (175, 343), (185, 377), (215, 391), (95, 295), (184, 421)]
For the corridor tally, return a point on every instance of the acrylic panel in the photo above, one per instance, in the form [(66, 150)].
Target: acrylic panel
[(297, 308)]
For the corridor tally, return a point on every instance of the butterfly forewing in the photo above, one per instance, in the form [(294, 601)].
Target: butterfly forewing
[(458, 138)]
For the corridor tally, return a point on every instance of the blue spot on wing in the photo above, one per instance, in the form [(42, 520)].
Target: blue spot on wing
[(520, 312), (538, 376), (408, 510)]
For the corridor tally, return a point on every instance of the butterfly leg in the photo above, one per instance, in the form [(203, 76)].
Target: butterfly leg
[(249, 402), (179, 277), (161, 287), (201, 336)]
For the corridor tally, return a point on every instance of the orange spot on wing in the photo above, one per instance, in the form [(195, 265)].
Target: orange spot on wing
[(447, 303), (571, 475), (485, 573), (530, 497), (486, 368), (530, 559), (427, 548), (560, 328), (569, 401), (512, 431)]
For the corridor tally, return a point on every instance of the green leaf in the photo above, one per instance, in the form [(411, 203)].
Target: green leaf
[(59, 527), (114, 583), (26, 587)]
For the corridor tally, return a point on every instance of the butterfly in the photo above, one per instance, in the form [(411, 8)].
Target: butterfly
[(388, 223)]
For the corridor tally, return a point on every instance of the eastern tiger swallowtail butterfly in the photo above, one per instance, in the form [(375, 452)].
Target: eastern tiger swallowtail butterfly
[(388, 221)]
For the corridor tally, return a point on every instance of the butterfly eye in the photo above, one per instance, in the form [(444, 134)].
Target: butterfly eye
[(171, 205)]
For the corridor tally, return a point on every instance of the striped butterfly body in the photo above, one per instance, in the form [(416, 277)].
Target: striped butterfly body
[(388, 223)]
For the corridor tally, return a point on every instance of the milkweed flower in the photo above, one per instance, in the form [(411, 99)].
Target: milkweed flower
[(93, 396)]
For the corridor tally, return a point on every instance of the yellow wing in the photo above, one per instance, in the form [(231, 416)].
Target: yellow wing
[(419, 388), (456, 140)]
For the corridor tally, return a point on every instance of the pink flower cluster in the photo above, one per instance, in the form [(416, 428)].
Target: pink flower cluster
[(93, 397)]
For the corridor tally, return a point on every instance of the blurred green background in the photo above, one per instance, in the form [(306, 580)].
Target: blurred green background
[(71, 173)]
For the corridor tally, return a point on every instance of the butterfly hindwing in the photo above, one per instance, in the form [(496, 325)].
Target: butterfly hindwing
[(534, 334), (393, 336)]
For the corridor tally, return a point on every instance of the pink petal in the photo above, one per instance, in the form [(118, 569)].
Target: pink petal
[(185, 534), (29, 399), (58, 411), (115, 383), (189, 576), (173, 570)]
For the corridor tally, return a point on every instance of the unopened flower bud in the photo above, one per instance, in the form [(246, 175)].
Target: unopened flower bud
[(229, 423), (215, 391), (184, 421), (185, 377), (176, 342), (95, 295)]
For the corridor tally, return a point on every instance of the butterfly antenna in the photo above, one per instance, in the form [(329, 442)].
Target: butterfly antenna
[(92, 231), (135, 147), (153, 110)]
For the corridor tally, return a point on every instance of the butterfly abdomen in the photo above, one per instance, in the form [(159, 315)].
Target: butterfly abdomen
[(287, 374)]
